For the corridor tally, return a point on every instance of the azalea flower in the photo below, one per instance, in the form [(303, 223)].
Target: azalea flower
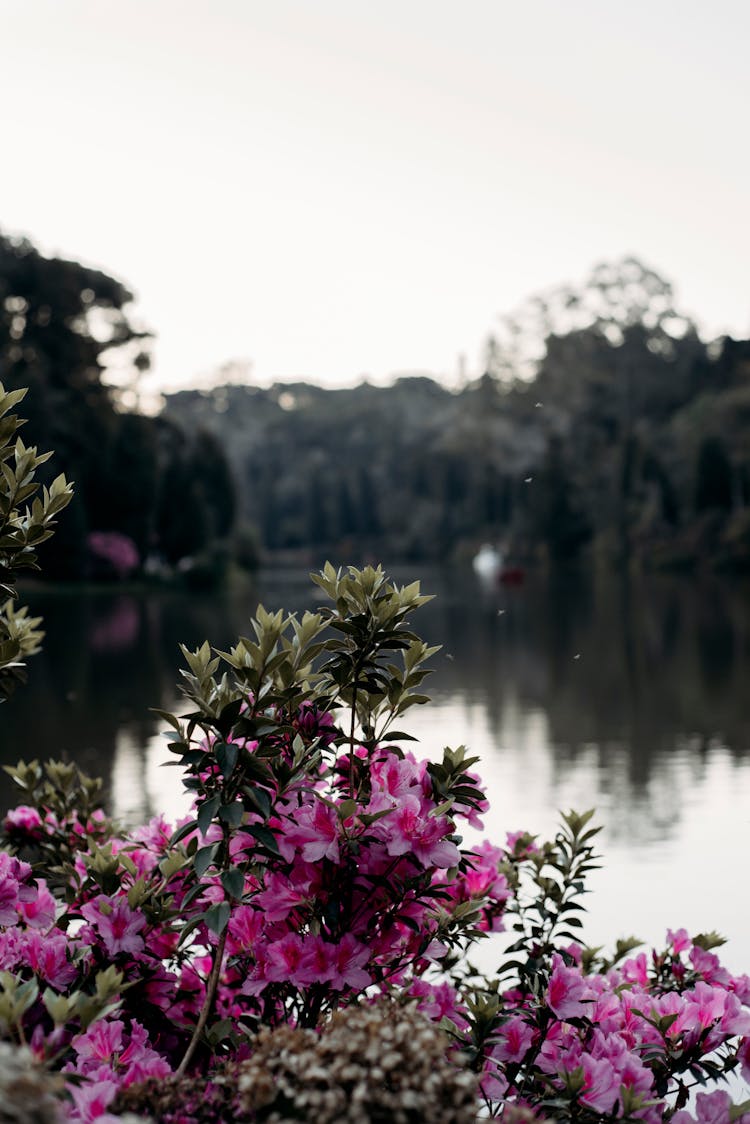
[(116, 924)]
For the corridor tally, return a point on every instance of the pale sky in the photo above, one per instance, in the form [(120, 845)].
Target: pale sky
[(333, 188)]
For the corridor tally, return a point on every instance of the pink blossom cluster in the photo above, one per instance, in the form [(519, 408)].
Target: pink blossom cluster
[(348, 902), (350, 880), (114, 551), (617, 1041)]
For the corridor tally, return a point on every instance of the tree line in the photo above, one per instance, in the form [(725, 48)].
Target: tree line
[(603, 427)]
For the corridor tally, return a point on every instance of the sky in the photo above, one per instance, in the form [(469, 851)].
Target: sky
[(332, 189)]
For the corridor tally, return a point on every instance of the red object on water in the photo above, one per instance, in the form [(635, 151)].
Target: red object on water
[(512, 575)]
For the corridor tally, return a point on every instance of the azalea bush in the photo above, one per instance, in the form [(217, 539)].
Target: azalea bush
[(270, 956), (112, 555)]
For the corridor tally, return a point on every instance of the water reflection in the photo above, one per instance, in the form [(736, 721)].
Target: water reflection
[(627, 696)]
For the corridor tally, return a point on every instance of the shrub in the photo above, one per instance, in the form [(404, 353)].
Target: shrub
[(22, 530), (112, 555)]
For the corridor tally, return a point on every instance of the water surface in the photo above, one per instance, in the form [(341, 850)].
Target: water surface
[(628, 697)]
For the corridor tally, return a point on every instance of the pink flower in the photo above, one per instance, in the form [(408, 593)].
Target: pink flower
[(394, 776), (708, 965), (635, 970), (711, 1108), (12, 948), (601, 1084), (245, 926), (515, 1038), (91, 1101), (116, 923), (47, 956), (744, 1057), (671, 1004), (568, 994), (315, 832), (705, 1006), (520, 844), (100, 1043), (413, 831), (349, 956), (283, 894), (138, 1061), (40, 911), (25, 821), (13, 890), (679, 941), (438, 1001), (735, 1019), (287, 962)]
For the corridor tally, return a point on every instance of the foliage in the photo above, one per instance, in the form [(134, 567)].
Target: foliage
[(582, 437), (319, 904), (26, 521), (68, 333)]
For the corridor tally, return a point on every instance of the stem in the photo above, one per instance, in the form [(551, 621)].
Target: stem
[(208, 1002), (351, 736)]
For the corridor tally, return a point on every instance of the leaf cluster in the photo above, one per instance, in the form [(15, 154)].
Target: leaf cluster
[(26, 520), (69, 803)]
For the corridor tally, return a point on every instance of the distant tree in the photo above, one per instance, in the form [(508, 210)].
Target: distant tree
[(347, 517), (67, 332), (213, 478), (122, 498), (318, 531), (370, 523), (713, 477), (615, 299), (654, 471), (62, 325), (556, 516)]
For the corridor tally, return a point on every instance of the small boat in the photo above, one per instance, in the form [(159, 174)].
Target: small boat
[(488, 564), (512, 575), (491, 570)]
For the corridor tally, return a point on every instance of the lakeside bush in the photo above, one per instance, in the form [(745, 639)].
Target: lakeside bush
[(269, 957), (27, 520)]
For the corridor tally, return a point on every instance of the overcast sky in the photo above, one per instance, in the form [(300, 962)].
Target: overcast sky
[(332, 188)]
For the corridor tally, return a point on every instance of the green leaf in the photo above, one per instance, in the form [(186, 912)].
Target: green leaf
[(232, 813), (226, 756), (192, 924), (219, 1031), (233, 882), (204, 856), (259, 798), (206, 813), (265, 837), (217, 917)]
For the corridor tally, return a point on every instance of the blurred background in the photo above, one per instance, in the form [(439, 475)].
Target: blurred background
[(464, 292)]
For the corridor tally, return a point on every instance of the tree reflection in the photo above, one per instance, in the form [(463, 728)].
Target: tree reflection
[(640, 682)]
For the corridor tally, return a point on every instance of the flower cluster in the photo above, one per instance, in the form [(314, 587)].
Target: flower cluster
[(320, 883), (112, 554)]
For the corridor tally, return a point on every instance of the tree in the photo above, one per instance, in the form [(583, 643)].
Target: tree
[(616, 298), (713, 477), (64, 329), (67, 331), (555, 512), (63, 324)]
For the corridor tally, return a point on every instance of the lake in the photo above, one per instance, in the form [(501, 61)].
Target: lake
[(630, 697)]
